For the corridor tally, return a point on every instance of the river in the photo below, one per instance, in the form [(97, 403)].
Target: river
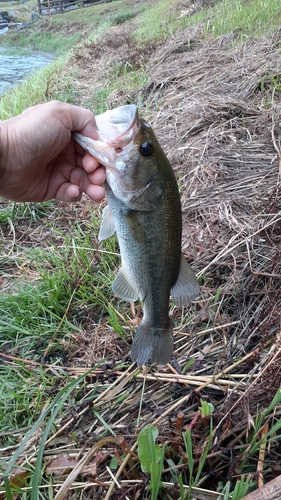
[(14, 68)]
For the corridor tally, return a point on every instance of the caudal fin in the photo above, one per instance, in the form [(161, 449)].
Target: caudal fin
[(152, 344)]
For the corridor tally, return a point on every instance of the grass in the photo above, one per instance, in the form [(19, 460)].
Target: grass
[(44, 317), (44, 310), (58, 315), (18, 52), (44, 42), (250, 19), (113, 12), (121, 77), (157, 23), (39, 87)]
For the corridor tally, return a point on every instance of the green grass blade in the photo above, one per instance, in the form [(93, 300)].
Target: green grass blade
[(206, 451), (55, 406), (188, 448), (106, 426)]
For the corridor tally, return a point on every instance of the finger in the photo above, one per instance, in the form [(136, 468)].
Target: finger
[(96, 193), (79, 150), (80, 178), (68, 192), (83, 121), (90, 163), (97, 177)]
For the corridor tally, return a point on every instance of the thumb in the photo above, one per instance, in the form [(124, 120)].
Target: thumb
[(83, 121)]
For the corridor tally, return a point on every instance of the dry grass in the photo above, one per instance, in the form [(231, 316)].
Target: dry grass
[(215, 108)]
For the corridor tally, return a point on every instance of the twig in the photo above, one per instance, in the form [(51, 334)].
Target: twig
[(271, 491), (77, 469), (115, 480), (96, 401), (248, 389), (263, 433), (273, 136)]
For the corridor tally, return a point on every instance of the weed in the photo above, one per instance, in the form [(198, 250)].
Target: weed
[(37, 88), (240, 489), (121, 18), (151, 458), (45, 42), (24, 211), (51, 412), (247, 18), (156, 23)]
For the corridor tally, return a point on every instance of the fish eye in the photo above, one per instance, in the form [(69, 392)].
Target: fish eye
[(146, 149)]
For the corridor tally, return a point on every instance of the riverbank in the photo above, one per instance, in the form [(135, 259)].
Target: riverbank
[(146, 25), (206, 77), (17, 64)]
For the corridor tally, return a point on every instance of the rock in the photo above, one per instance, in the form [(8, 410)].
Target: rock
[(4, 15), (34, 17)]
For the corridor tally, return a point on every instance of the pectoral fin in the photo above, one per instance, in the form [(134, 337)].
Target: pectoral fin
[(186, 288), (107, 227), (122, 288)]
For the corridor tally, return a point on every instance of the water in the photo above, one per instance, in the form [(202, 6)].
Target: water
[(15, 68)]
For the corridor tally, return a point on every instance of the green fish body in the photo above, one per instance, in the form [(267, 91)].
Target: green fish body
[(145, 211)]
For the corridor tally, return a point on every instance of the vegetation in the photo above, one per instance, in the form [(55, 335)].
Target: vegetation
[(156, 21), (45, 42), (76, 417)]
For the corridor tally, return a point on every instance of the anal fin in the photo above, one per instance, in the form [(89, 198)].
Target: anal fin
[(186, 287)]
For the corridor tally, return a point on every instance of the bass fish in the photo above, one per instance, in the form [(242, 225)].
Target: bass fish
[(145, 211)]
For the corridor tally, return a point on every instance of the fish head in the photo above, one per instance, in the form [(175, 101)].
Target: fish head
[(134, 160)]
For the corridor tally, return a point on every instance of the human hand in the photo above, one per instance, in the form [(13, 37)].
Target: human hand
[(40, 160)]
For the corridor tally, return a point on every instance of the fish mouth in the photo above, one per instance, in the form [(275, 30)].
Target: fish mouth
[(116, 128)]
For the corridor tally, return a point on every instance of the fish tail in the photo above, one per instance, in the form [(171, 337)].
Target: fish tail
[(152, 344)]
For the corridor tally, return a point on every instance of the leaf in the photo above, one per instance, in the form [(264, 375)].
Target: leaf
[(206, 409), (61, 465), (17, 481), (113, 463), (149, 452)]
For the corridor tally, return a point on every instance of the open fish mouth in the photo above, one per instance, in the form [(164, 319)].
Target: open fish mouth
[(116, 128)]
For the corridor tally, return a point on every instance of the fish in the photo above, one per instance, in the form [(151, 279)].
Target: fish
[(144, 210)]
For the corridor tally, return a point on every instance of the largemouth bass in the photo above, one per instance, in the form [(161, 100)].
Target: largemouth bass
[(145, 211)]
